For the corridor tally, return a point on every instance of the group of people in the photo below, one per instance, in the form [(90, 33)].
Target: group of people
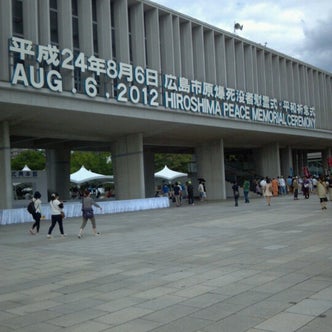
[(177, 192), (278, 186), (57, 214)]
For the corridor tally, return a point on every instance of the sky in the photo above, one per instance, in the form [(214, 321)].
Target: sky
[(301, 29)]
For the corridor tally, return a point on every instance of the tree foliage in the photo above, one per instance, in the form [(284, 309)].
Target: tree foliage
[(176, 162), (98, 162), (34, 159), (95, 161)]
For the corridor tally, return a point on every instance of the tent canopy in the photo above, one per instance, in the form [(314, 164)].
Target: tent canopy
[(169, 174), (83, 175), (26, 169)]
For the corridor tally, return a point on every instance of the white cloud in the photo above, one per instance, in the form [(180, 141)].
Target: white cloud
[(297, 28)]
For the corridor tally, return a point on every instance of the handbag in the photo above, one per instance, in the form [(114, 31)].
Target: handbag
[(63, 215)]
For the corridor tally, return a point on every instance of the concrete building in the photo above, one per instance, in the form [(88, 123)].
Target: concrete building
[(135, 78)]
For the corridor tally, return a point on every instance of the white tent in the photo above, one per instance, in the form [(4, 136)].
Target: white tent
[(83, 175), (26, 169), (169, 174)]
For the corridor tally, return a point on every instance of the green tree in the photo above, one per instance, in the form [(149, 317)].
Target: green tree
[(177, 162), (34, 159), (97, 162)]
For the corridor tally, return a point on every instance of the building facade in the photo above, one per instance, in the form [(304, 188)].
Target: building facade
[(135, 78)]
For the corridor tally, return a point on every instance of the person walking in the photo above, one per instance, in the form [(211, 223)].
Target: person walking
[(267, 191), (177, 194), (236, 193), (321, 192), (37, 214), (295, 186), (246, 188), (57, 215), (201, 191), (87, 210), (190, 190)]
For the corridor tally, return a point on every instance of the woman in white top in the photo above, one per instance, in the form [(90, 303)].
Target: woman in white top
[(57, 214), (37, 215)]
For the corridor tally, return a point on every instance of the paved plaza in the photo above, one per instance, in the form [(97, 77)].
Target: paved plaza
[(211, 267)]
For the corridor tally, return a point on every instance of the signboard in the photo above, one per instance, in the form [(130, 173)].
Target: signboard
[(138, 85)]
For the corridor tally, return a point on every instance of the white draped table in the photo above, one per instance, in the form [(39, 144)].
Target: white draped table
[(74, 209)]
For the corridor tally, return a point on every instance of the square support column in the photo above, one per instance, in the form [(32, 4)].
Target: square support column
[(128, 167), (211, 167), (6, 192), (58, 172), (286, 161), (269, 160)]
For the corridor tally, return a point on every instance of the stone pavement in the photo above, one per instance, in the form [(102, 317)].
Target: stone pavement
[(207, 268)]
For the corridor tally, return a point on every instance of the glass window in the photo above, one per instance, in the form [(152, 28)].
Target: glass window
[(113, 31), (54, 22), (94, 27), (17, 6)]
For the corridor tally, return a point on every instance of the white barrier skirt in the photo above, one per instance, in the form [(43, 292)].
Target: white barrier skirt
[(74, 209)]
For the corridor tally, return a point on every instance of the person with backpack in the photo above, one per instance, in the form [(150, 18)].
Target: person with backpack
[(35, 209)]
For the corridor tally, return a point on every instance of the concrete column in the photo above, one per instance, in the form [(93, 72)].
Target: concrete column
[(128, 167), (198, 53), (240, 66), (230, 60), (149, 173), (177, 46), (66, 38), (85, 27), (269, 160), (44, 22), (210, 57), (104, 29), (286, 161), (137, 34), (220, 60), (166, 44), (30, 20), (6, 191), (211, 167), (121, 27), (326, 154), (152, 39), (58, 172), (187, 59), (6, 33)]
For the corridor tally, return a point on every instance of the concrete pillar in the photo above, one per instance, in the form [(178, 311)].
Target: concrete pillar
[(58, 172), (137, 34), (269, 160), (44, 22), (326, 154), (198, 53), (128, 167), (167, 44), (65, 26), (85, 27), (152, 39), (211, 167), (30, 20), (187, 57), (150, 187), (6, 191), (121, 27), (6, 32), (286, 162)]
